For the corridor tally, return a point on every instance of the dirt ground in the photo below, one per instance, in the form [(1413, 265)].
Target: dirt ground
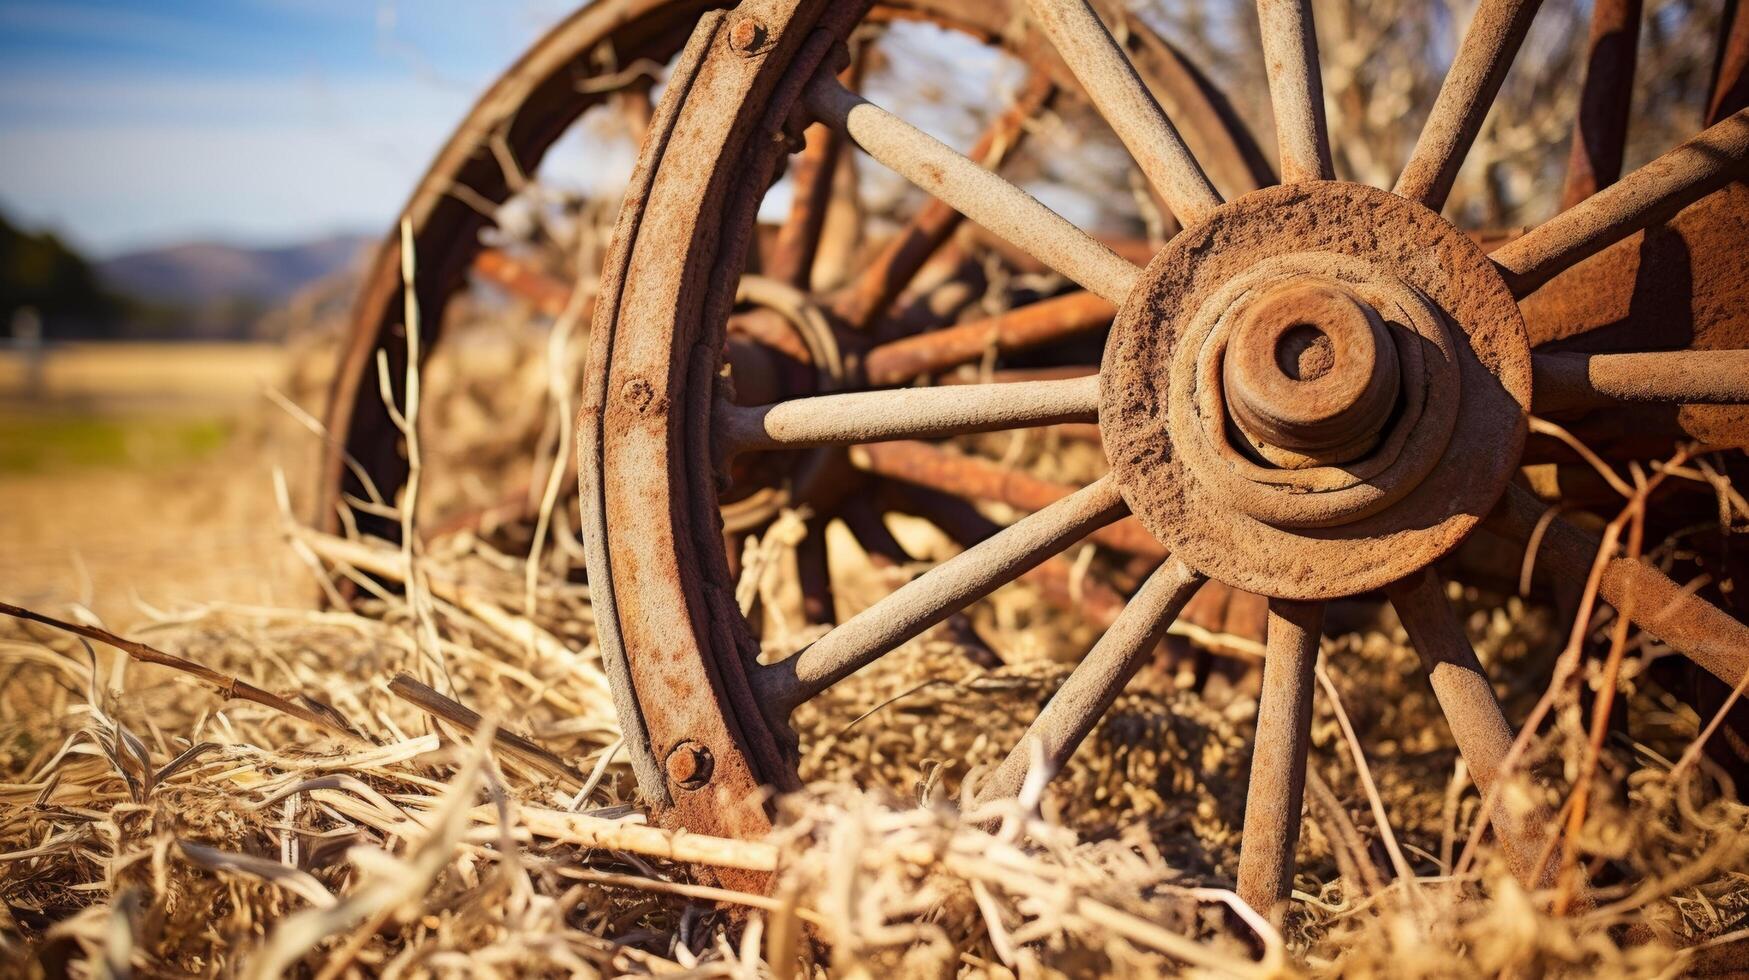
[(112, 540), (142, 474)]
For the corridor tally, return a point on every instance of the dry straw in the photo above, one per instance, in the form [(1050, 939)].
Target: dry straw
[(431, 781)]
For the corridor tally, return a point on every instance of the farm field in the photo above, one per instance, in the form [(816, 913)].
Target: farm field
[(141, 474), (155, 513)]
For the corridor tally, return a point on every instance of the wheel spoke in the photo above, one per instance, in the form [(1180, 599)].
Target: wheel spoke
[(1694, 377), (813, 183), (1136, 251), (906, 413), (937, 594), (1004, 375), (1029, 326), (1469, 88), (1278, 757), (979, 479), (1690, 625), (1097, 681), (814, 574), (1646, 197), (897, 264), (548, 294), (885, 552), (865, 523), (975, 192), (1472, 711), (1128, 107), (1600, 131), (1296, 89), (734, 545), (798, 241), (1730, 88), (1055, 578)]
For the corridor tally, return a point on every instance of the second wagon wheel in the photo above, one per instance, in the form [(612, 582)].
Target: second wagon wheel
[(787, 335), (609, 55), (1315, 390)]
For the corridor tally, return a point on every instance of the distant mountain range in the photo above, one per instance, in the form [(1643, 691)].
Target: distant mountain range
[(197, 290), (202, 274)]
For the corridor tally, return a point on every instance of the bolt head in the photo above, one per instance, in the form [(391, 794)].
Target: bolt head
[(1311, 369), (638, 393), (689, 765), (748, 36)]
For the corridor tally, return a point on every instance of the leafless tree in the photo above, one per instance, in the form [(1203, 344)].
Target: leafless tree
[(1383, 61)]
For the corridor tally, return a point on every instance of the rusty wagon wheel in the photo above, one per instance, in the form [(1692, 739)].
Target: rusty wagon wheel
[(609, 53), (1314, 390)]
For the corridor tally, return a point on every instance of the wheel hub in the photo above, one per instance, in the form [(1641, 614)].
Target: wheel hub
[(1311, 375), (1316, 392)]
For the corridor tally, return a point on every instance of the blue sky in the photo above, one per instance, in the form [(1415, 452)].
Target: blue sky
[(126, 123)]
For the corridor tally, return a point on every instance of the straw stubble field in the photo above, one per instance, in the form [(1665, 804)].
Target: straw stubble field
[(429, 778)]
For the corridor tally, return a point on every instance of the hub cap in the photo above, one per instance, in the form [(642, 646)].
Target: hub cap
[(1316, 392)]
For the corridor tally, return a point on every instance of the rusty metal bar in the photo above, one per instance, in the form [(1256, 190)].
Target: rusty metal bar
[(884, 551), (1128, 106), (906, 413), (1006, 375), (1600, 131), (1466, 696), (1495, 32), (1096, 682), (1054, 577), (938, 593), (897, 264), (973, 191), (1646, 197), (1278, 757), (1079, 432), (1690, 625), (1730, 88), (979, 479), (814, 575), (798, 240), (870, 530), (1296, 89), (1038, 323), (546, 293), (1137, 251), (1696, 377), (813, 182)]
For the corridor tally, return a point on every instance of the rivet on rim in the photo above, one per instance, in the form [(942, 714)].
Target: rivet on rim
[(689, 765), (748, 36), (1313, 370), (638, 393)]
